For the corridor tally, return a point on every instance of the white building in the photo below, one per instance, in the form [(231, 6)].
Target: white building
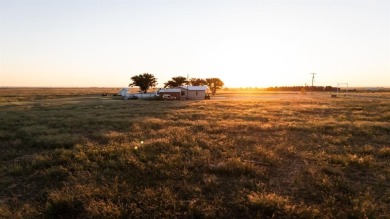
[(193, 92)]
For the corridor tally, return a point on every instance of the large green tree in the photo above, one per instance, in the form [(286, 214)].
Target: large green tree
[(198, 82), (144, 81), (214, 84), (176, 82)]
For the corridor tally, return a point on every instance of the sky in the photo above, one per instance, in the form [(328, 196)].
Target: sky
[(102, 43)]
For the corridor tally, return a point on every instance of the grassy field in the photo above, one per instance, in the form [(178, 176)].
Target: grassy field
[(295, 156), (29, 94)]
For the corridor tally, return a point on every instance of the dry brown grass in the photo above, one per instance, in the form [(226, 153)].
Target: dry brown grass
[(286, 157), (27, 94)]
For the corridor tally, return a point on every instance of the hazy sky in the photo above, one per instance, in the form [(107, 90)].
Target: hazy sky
[(245, 43)]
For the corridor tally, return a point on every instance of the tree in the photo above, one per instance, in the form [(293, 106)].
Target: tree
[(214, 84), (176, 82), (198, 82), (144, 81)]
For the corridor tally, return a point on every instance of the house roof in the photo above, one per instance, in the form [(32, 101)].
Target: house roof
[(197, 88), (172, 90)]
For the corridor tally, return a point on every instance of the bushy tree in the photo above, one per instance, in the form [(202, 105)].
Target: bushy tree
[(144, 81), (198, 82), (176, 82), (214, 84)]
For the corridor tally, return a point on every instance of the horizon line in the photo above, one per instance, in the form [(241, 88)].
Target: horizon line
[(249, 87)]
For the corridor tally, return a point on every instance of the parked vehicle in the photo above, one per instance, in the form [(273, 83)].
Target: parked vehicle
[(168, 97)]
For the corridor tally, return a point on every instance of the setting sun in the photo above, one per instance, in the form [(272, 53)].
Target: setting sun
[(245, 43)]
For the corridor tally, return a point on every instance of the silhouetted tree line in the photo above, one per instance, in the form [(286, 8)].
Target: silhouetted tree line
[(299, 88), (146, 81), (214, 84)]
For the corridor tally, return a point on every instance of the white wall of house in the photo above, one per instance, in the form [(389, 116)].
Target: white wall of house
[(193, 92)]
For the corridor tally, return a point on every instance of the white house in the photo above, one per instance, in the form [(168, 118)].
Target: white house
[(193, 92)]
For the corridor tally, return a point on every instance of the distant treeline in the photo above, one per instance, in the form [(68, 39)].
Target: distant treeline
[(306, 88)]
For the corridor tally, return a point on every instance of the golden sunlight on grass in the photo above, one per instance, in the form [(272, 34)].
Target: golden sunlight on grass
[(283, 157)]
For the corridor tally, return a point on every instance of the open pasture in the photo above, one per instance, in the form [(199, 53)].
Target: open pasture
[(287, 157), (31, 94)]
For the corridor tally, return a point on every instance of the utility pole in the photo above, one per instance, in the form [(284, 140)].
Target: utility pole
[(312, 80)]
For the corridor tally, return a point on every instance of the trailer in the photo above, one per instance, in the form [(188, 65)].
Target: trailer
[(126, 95)]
